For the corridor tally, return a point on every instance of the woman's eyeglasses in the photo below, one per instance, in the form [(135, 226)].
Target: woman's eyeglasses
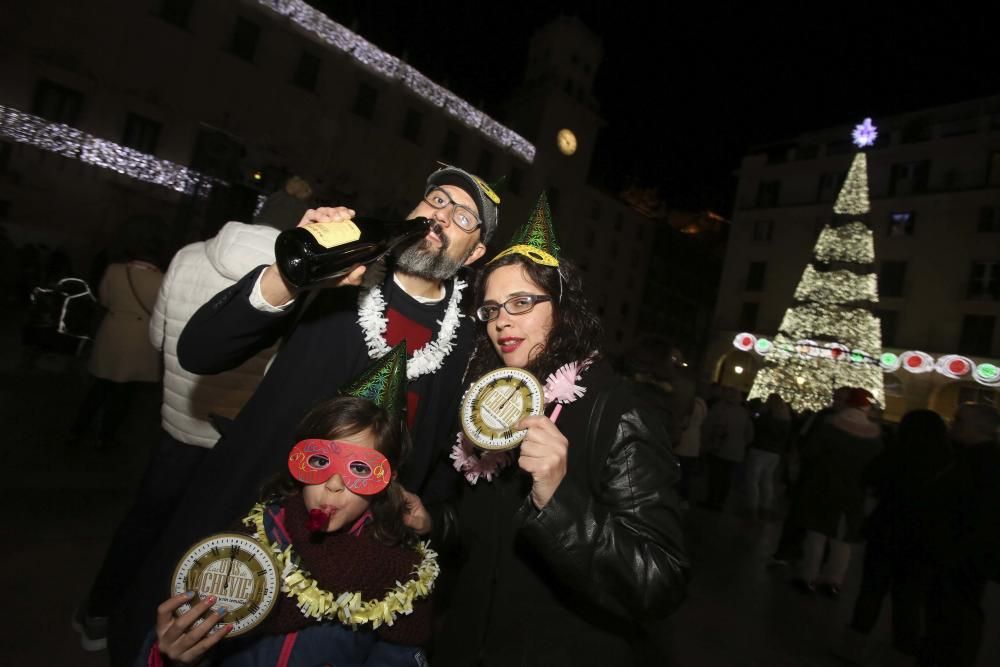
[(516, 305)]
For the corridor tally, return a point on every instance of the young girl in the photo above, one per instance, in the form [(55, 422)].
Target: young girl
[(341, 511)]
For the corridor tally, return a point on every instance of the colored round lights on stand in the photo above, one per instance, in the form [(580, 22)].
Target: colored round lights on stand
[(954, 366), (987, 374), (917, 362), (762, 346), (744, 341), (889, 362)]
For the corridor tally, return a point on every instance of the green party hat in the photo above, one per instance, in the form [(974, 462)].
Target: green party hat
[(384, 382), (536, 239)]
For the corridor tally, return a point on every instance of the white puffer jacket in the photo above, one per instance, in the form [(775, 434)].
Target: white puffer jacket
[(197, 273)]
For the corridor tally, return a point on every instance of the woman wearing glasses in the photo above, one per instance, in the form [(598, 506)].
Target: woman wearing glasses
[(570, 544)]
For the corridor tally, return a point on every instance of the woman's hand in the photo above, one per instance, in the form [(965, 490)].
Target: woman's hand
[(178, 641), (417, 518), (543, 454)]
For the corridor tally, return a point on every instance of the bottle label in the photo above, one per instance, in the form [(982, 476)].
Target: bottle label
[(331, 234)]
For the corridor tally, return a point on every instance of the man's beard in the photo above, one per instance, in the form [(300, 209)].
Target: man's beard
[(423, 261)]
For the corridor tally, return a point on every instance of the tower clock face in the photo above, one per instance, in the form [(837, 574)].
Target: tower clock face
[(566, 141), (495, 403)]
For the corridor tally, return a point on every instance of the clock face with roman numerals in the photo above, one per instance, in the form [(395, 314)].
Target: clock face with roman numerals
[(235, 568), (495, 403)]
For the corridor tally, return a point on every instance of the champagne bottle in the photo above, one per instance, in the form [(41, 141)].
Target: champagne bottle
[(324, 250)]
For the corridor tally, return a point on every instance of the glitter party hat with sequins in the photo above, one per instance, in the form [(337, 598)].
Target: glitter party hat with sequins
[(536, 239), (384, 382)]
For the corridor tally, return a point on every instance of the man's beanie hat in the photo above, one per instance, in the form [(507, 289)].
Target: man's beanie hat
[(486, 199)]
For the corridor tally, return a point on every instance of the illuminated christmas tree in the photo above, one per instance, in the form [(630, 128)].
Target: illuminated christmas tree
[(829, 337)]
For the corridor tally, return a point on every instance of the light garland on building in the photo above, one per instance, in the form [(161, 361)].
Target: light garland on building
[(952, 366), (836, 286), (852, 242), (391, 68), (858, 328), (75, 144), (853, 196)]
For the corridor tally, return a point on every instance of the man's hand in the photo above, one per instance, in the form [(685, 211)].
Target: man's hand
[(178, 641), (273, 287), (544, 453), (416, 518)]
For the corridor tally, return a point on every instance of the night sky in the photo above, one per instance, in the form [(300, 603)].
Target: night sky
[(723, 80)]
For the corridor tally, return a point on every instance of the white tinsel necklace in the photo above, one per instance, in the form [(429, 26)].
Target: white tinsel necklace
[(371, 317)]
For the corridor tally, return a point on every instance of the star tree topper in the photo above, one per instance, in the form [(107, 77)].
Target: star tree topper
[(864, 134)]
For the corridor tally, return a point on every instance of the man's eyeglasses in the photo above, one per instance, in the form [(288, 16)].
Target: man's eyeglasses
[(516, 305), (461, 215)]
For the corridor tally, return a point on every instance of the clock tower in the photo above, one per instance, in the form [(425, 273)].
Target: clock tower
[(555, 107)]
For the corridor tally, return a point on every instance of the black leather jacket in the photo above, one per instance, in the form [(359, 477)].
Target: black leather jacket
[(579, 581)]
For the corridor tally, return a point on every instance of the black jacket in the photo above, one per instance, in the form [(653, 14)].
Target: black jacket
[(580, 581)]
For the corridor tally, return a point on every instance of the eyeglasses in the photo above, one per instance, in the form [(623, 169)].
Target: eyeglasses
[(462, 216), (515, 305)]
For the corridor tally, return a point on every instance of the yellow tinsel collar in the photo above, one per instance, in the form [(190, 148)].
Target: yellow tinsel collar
[(347, 607)]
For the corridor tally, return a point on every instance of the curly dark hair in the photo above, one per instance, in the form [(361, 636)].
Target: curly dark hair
[(340, 418), (576, 330)]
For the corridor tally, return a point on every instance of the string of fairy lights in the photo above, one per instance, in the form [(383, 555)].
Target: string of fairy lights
[(76, 144), (389, 67), (69, 142)]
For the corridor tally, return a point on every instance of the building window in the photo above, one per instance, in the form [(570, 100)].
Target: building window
[(763, 230), (829, 185), (755, 276), (993, 177), (515, 180), (364, 101), (916, 129), (141, 133), (452, 141), (57, 103), (768, 193), (307, 71), (989, 221), (902, 223), (176, 12), (412, 124), (977, 335), (748, 316), (984, 281), (891, 278), (485, 165), (907, 178), (889, 320), (246, 34)]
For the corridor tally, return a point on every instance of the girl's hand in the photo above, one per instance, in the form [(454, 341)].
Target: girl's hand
[(416, 518), (180, 642), (543, 454)]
